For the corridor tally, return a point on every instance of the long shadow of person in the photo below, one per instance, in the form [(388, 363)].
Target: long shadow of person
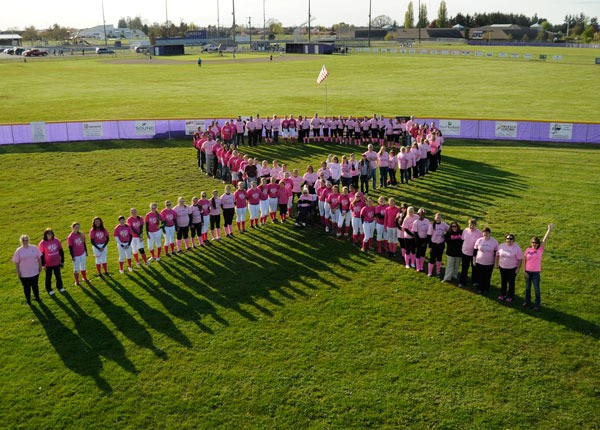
[(96, 334), (124, 321), (74, 352)]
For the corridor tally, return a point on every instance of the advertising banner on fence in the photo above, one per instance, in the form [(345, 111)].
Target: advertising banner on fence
[(561, 131), (191, 125), (506, 129), (38, 131), (145, 128), (450, 127), (93, 129)]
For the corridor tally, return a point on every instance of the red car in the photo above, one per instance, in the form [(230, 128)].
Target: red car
[(34, 53)]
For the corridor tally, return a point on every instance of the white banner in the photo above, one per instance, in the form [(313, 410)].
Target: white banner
[(502, 55), (38, 131), (506, 129), (191, 125), (528, 56), (450, 127), (92, 129), (557, 57), (145, 128), (561, 131)]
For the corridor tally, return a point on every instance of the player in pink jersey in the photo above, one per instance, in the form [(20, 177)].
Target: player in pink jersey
[(99, 239), (53, 259), (367, 215), (28, 263), (205, 207), (333, 200), (310, 177), (345, 217), (437, 233), (154, 225), (383, 162), (356, 205), (393, 166), (241, 202), (409, 237), (380, 231), (169, 217), (416, 157), (263, 203), (399, 220), (136, 223), (420, 228), (123, 236), (228, 206), (469, 236), (404, 163), (254, 195), (484, 255), (182, 223), (508, 259), (533, 266), (283, 196), (215, 215), (293, 128), (391, 213), (196, 223), (78, 252)]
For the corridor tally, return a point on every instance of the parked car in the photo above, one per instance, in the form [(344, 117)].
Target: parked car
[(19, 51), (141, 49), (104, 51), (211, 48), (34, 53)]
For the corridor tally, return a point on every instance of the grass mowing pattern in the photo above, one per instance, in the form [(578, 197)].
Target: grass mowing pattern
[(282, 328)]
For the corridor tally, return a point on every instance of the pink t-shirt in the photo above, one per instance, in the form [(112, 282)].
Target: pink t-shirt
[(183, 215), (227, 201), (76, 241), (136, 224), (407, 225), (509, 256), (123, 233), (99, 236), (486, 250), (253, 196), (196, 214), (51, 250), (27, 259), (367, 214), (389, 216), (153, 221), (420, 227), (297, 181), (533, 259), (437, 230), (216, 209), (204, 205), (469, 238), (169, 215), (240, 199), (344, 202), (283, 194), (357, 208)]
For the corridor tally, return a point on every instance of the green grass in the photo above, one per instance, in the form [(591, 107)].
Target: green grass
[(91, 88), (283, 328)]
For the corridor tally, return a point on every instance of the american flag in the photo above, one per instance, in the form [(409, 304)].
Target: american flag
[(322, 75)]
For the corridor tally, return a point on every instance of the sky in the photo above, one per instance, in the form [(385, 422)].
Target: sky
[(77, 14)]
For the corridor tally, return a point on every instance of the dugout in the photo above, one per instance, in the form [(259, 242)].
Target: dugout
[(309, 48), (165, 50)]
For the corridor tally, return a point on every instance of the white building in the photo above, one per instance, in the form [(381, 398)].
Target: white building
[(97, 32)]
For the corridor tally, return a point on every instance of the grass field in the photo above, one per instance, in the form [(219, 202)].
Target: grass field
[(281, 328), (132, 86)]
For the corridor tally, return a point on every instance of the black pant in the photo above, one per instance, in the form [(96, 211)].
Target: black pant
[(364, 183), (392, 175), (56, 271), (508, 277), (196, 229), (437, 250), (484, 276), (467, 262), (215, 221), (183, 232), (228, 216), (421, 246), (31, 284)]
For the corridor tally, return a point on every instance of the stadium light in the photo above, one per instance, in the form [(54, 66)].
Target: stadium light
[(308, 21), (104, 24), (218, 20), (369, 23), (233, 13)]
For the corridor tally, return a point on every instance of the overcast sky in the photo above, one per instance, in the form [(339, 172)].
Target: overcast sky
[(88, 13)]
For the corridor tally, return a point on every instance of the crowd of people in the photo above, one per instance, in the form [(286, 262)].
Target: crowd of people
[(336, 196)]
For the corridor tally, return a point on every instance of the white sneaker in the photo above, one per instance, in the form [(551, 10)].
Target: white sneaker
[(138, 264), (150, 259), (326, 229), (130, 269), (407, 266), (121, 271), (51, 292), (62, 290), (148, 263), (157, 258)]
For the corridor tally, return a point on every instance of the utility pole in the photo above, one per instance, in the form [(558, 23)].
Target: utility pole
[(369, 23), (419, 22), (167, 19), (218, 20), (264, 22), (250, 30), (233, 29), (104, 23), (308, 21)]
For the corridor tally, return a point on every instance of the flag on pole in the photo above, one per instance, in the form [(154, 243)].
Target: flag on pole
[(322, 75)]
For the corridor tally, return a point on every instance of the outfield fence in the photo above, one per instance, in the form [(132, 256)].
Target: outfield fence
[(531, 131)]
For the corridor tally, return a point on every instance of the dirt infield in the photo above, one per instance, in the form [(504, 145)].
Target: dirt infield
[(193, 60)]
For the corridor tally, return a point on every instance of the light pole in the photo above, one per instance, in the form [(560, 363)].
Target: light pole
[(250, 30), (308, 21), (233, 29), (419, 22), (264, 22), (218, 20), (369, 23), (104, 24), (167, 18)]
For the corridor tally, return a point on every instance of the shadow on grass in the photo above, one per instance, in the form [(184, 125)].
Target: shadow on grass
[(76, 354), (93, 145)]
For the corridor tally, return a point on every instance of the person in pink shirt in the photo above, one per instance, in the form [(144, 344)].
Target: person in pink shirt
[(275, 169), (367, 215), (372, 157), (241, 203), (28, 263), (303, 208), (228, 206), (276, 128), (393, 166), (272, 192), (345, 216), (484, 256), (383, 161), (289, 185), (283, 196), (437, 233), (264, 202), (123, 237), (154, 222), (205, 207), (315, 125), (399, 220), (215, 216), (196, 223), (533, 266), (380, 231), (183, 219), (99, 239), (169, 216), (332, 209), (253, 195), (469, 237), (420, 228), (297, 182), (354, 170), (508, 259), (78, 252), (310, 177), (409, 237), (356, 205), (53, 259), (293, 128), (390, 215), (136, 223), (405, 160), (416, 158)]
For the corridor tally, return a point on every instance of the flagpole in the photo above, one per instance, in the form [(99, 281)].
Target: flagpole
[(325, 98)]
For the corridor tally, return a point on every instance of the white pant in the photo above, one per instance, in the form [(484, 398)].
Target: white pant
[(205, 223), (79, 263), (273, 204), (335, 215), (344, 218), (392, 235), (100, 255), (264, 208), (124, 251), (327, 210), (357, 227), (253, 209), (240, 214), (137, 243), (379, 231), (452, 267), (368, 227), (169, 235), (321, 208), (154, 238)]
